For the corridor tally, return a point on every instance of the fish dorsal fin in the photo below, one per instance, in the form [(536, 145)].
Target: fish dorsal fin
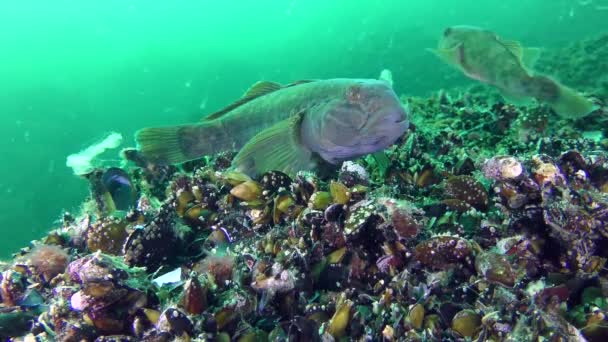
[(261, 88), (275, 148), (514, 47), (226, 109), (258, 89), (298, 82)]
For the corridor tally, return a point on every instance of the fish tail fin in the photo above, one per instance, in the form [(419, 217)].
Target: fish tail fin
[(174, 144), (565, 102)]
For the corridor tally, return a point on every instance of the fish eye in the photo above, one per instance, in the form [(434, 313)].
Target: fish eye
[(447, 31)]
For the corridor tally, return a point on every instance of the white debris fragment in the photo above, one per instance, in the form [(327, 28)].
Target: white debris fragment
[(82, 162)]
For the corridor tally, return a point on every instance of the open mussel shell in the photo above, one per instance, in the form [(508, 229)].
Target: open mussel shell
[(466, 323), (340, 320), (194, 296), (247, 191)]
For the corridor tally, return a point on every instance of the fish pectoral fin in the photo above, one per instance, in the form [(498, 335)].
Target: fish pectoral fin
[(449, 56), (514, 47), (262, 88), (275, 148), (530, 57)]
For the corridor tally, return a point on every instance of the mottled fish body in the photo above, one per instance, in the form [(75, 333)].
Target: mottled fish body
[(484, 56), (282, 127)]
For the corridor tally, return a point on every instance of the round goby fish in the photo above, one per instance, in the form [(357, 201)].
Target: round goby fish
[(284, 128), (505, 64)]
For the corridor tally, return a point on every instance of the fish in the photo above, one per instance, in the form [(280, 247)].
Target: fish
[(482, 55), (287, 128), (120, 187)]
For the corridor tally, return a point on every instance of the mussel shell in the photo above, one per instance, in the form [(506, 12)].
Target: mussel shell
[(335, 213), (174, 322), (115, 338), (273, 181), (312, 218), (303, 189), (107, 236), (150, 245), (303, 329), (194, 296)]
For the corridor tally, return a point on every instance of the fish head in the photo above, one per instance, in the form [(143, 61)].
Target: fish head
[(455, 35), (367, 117)]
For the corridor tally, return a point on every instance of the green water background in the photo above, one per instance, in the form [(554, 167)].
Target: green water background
[(71, 71)]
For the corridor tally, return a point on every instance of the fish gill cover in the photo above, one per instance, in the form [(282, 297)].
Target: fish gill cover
[(485, 220)]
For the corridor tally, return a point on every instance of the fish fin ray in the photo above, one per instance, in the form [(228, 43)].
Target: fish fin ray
[(170, 145), (514, 47), (260, 88), (298, 82), (566, 102), (275, 148), (571, 104), (160, 144), (226, 109)]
